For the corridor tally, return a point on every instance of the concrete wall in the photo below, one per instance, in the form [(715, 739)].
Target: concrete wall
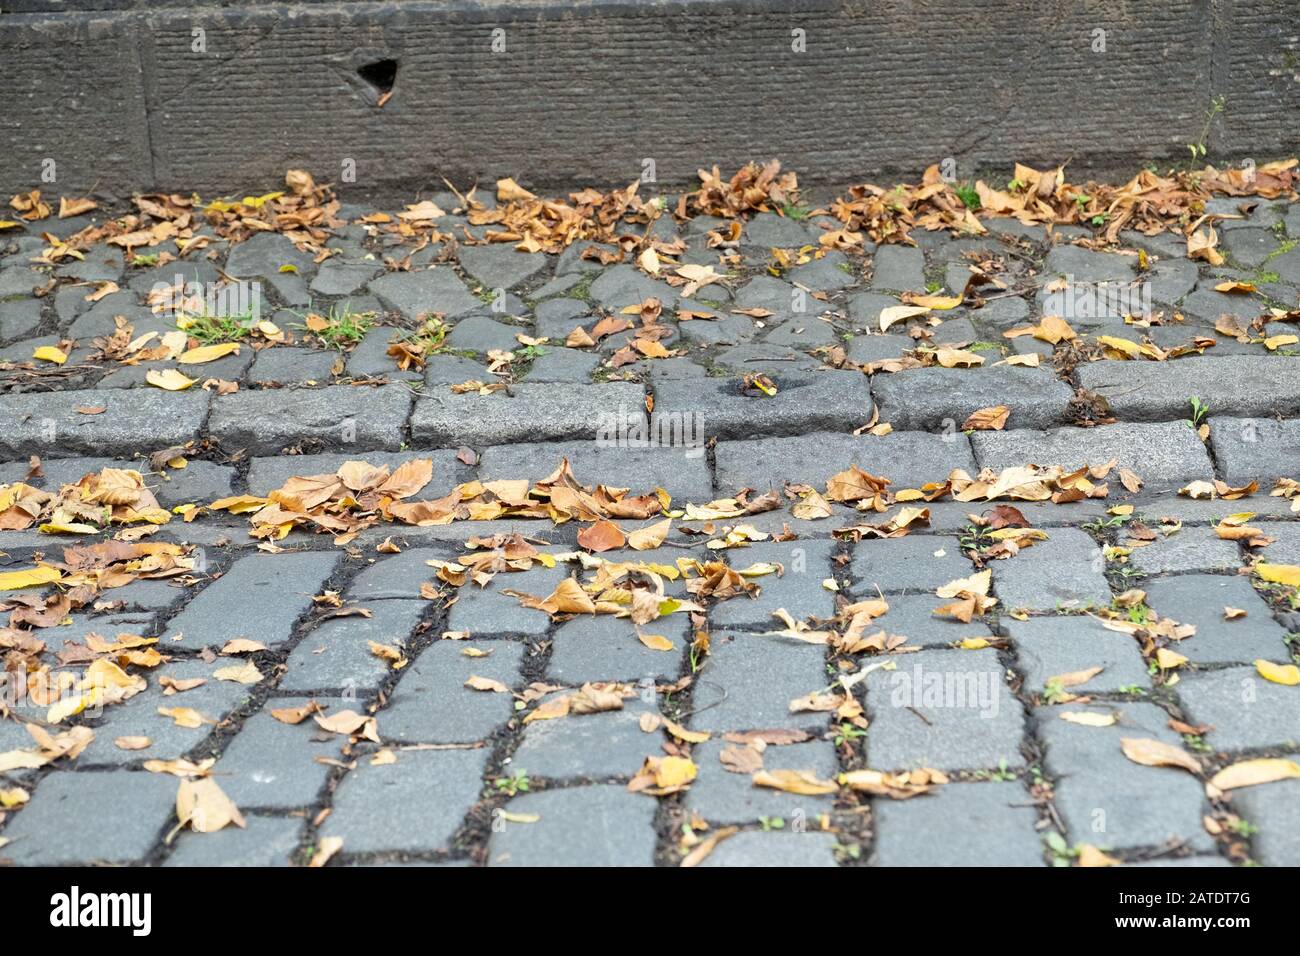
[(115, 94)]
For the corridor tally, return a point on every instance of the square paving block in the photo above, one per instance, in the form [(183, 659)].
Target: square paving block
[(431, 703), (946, 709), (600, 825), (416, 804), (959, 824)]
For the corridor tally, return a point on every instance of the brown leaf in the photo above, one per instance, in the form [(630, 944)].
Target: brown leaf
[(601, 536), (1156, 753)]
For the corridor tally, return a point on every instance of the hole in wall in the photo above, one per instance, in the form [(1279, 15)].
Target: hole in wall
[(380, 76)]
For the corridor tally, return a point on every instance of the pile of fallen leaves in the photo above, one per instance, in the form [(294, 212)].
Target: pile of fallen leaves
[(304, 213), (754, 188), (111, 496), (534, 224), (81, 579), (360, 495), (1148, 203)]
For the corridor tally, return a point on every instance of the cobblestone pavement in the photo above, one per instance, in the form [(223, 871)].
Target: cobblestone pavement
[(1010, 726)]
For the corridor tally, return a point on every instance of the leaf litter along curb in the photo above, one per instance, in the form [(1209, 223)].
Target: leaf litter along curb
[(307, 214)]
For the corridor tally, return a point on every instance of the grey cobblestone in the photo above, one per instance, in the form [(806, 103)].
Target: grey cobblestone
[(1164, 455), (1244, 710), (752, 848), (541, 412), (266, 841), (58, 828), (943, 398), (960, 824), (275, 765), (907, 459), (1048, 647), (830, 401), (1162, 391), (1066, 569), (595, 746), (337, 653), (260, 597), (337, 416), (1200, 600), (49, 425), (749, 682), (1108, 800), (950, 710), (601, 825), (415, 804), (721, 796), (431, 703), (1275, 809)]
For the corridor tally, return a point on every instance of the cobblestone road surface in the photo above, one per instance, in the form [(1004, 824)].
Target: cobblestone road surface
[(462, 779)]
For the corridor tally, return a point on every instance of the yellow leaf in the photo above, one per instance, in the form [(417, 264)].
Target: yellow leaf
[(1275, 342), (803, 782), (898, 313), (511, 817), (475, 682), (48, 353), (1088, 718), (1249, 773), (1168, 660), (185, 716), (208, 353), (656, 642), (326, 848), (674, 772), (68, 706), (169, 379), (28, 578), (943, 302), (1287, 574), (646, 539), (1090, 856), (205, 807), (245, 674), (684, 735), (974, 644), (1286, 674), (238, 504), (954, 358), (1125, 347)]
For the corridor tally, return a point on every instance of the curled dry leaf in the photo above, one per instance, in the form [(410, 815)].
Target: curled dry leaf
[(1156, 753), (474, 682), (296, 715), (706, 846), (1088, 718), (1286, 674), (204, 807), (803, 782), (326, 848), (349, 723), (1250, 773), (185, 716)]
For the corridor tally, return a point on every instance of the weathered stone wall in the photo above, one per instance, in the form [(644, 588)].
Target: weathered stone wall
[(116, 93)]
